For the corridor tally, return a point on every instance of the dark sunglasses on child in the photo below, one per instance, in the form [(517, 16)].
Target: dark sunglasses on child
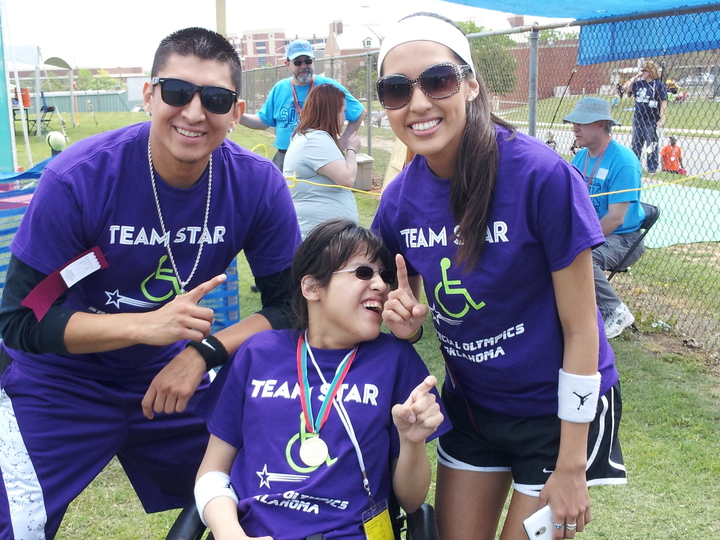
[(178, 93), (300, 62), (437, 82), (366, 273)]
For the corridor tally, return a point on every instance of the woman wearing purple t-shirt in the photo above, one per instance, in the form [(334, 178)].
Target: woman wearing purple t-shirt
[(499, 230)]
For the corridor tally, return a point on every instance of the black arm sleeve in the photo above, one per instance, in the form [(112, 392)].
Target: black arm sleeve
[(275, 291), (19, 327)]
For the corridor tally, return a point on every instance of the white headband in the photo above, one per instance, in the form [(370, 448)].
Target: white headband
[(425, 28)]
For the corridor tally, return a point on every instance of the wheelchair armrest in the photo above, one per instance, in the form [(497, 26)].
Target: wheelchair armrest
[(187, 526), (421, 524)]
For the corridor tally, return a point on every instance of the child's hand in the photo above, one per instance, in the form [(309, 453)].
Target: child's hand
[(420, 415), (403, 313)]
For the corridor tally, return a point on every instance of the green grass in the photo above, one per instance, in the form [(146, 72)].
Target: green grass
[(670, 431), (696, 115)]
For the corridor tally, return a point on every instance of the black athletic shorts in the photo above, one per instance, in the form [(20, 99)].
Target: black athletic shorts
[(528, 447)]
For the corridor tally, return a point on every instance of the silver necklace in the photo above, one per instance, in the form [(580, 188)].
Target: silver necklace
[(162, 222)]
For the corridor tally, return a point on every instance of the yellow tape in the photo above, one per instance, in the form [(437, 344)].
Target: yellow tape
[(293, 180), (265, 148), (683, 179)]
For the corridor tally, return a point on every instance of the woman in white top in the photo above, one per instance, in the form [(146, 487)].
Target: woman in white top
[(315, 156)]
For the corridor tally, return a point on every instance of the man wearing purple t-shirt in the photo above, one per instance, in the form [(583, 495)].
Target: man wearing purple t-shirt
[(126, 233)]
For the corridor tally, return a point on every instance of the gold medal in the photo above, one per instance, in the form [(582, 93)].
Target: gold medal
[(313, 451)]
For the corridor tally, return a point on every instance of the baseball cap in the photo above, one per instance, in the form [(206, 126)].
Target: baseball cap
[(590, 109), (299, 47)]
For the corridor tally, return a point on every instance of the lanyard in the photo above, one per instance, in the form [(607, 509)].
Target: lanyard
[(345, 419), (294, 92), (597, 164), (315, 424)]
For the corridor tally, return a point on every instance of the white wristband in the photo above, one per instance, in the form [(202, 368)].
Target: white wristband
[(578, 397), (209, 486)]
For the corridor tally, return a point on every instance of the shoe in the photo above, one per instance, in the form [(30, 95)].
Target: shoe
[(618, 321), (253, 288)]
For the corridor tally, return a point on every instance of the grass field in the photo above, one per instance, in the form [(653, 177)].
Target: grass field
[(696, 115), (670, 431)]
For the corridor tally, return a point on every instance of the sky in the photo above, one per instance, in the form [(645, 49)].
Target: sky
[(99, 33)]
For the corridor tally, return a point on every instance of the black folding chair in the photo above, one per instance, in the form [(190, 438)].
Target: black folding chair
[(651, 215), (420, 525), (46, 114)]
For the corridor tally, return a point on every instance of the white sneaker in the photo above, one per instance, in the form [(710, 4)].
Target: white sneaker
[(618, 321)]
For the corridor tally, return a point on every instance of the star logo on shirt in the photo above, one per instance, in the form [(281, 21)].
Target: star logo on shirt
[(438, 317), (266, 477), (115, 298)]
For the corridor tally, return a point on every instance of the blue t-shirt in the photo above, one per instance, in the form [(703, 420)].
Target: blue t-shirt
[(279, 109), (618, 175), (498, 323), (254, 405), (98, 193)]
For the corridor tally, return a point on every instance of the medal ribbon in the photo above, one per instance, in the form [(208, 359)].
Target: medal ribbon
[(345, 419), (295, 98), (597, 164), (314, 425)]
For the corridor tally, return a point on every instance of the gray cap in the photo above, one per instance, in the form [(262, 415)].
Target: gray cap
[(589, 110)]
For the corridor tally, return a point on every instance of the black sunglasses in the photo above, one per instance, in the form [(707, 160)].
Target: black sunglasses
[(178, 93), (437, 82), (366, 273), (307, 61)]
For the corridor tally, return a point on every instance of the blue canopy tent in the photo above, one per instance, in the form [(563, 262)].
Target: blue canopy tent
[(618, 29), (615, 29), (581, 11)]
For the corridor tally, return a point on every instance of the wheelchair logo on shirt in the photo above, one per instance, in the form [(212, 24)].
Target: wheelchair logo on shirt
[(449, 291), (161, 274), (300, 438)]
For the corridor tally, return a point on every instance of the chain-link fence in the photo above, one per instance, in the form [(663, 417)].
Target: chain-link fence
[(536, 75), (676, 284)]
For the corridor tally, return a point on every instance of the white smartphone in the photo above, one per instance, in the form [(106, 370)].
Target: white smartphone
[(539, 526)]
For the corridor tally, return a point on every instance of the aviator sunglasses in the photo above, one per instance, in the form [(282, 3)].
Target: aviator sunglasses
[(307, 61), (178, 93), (366, 273), (437, 82)]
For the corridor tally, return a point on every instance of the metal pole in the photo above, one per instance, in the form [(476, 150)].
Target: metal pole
[(533, 83), (220, 17), (368, 93), (38, 124)]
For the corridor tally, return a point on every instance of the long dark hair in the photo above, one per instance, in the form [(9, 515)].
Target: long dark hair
[(321, 110), (327, 248), (472, 186)]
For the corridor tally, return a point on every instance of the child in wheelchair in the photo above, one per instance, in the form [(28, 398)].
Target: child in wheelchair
[(313, 430)]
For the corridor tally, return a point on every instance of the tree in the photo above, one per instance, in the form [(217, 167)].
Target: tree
[(492, 59), (87, 81), (551, 35), (53, 83), (357, 79), (103, 80)]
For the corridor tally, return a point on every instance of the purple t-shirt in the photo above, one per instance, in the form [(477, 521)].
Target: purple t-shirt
[(498, 323), (98, 193), (254, 405)]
